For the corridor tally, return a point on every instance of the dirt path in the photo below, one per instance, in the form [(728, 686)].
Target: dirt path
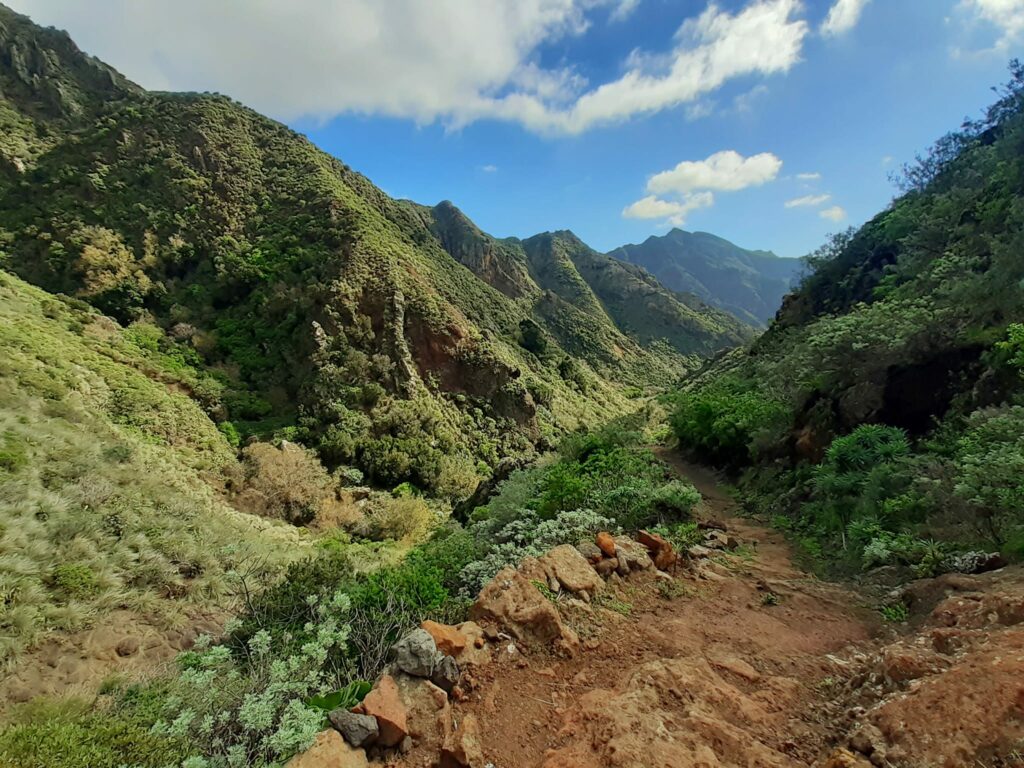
[(706, 670)]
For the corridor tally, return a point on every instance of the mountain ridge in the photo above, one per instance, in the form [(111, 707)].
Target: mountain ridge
[(748, 283)]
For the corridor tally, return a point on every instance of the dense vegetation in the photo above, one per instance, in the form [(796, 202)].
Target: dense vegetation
[(881, 417), (308, 304), (305, 644), (749, 284)]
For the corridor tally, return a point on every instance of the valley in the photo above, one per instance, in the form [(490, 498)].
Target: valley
[(294, 472)]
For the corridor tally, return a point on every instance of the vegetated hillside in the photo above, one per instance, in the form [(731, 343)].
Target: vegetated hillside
[(306, 299), (750, 284), (102, 462), (885, 405)]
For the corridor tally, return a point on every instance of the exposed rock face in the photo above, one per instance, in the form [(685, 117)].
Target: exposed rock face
[(385, 704), (512, 602), (330, 751)]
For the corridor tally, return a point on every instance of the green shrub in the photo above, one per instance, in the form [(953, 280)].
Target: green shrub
[(75, 580), (13, 452), (230, 433), (720, 423)]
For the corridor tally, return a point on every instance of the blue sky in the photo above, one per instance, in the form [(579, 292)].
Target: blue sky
[(614, 118)]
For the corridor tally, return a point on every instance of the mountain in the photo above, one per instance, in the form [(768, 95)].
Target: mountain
[(749, 284), (391, 336), (882, 413)]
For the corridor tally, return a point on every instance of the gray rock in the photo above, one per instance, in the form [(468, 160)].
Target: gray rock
[(357, 730), (590, 551), (446, 674), (974, 562), (416, 654)]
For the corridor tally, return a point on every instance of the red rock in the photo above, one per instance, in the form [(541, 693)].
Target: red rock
[(606, 543), (904, 663), (448, 639), (511, 601), (384, 702), (661, 551)]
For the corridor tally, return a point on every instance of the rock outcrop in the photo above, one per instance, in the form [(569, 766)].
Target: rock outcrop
[(511, 601)]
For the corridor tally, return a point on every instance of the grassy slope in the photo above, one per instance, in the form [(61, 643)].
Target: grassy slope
[(102, 502)]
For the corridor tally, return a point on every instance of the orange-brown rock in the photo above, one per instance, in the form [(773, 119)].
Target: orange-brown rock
[(661, 551), (606, 543), (384, 702), (462, 748), (448, 639), (571, 570), (428, 713), (329, 751), (511, 601)]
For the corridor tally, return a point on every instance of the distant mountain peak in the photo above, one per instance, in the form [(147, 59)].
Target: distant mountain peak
[(748, 283)]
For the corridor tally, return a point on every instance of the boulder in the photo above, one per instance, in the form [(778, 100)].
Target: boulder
[(698, 551), (571, 570), (448, 639), (974, 562), (462, 748), (716, 539), (476, 652), (711, 525), (358, 730), (606, 567), (385, 704), (606, 543), (416, 654), (329, 751), (902, 663), (512, 602)]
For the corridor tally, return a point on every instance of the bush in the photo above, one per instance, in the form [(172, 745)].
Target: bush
[(720, 423), (402, 518), (287, 483), (75, 580)]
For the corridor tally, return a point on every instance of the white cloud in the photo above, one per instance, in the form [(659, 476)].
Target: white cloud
[(624, 10), (674, 193), (1008, 15), (835, 213), (698, 110), (808, 201), (454, 61), (674, 212), (726, 171), (489, 168), (809, 176), (843, 17)]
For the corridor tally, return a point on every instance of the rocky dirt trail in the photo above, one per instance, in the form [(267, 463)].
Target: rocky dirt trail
[(724, 665)]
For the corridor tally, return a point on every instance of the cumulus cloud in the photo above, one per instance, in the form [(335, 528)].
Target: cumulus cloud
[(675, 193), (725, 171), (808, 201), (843, 17), (446, 60), (1007, 15), (835, 213), (672, 211)]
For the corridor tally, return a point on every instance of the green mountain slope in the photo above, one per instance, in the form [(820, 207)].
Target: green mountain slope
[(888, 397), (385, 334), (749, 284), (103, 457)]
